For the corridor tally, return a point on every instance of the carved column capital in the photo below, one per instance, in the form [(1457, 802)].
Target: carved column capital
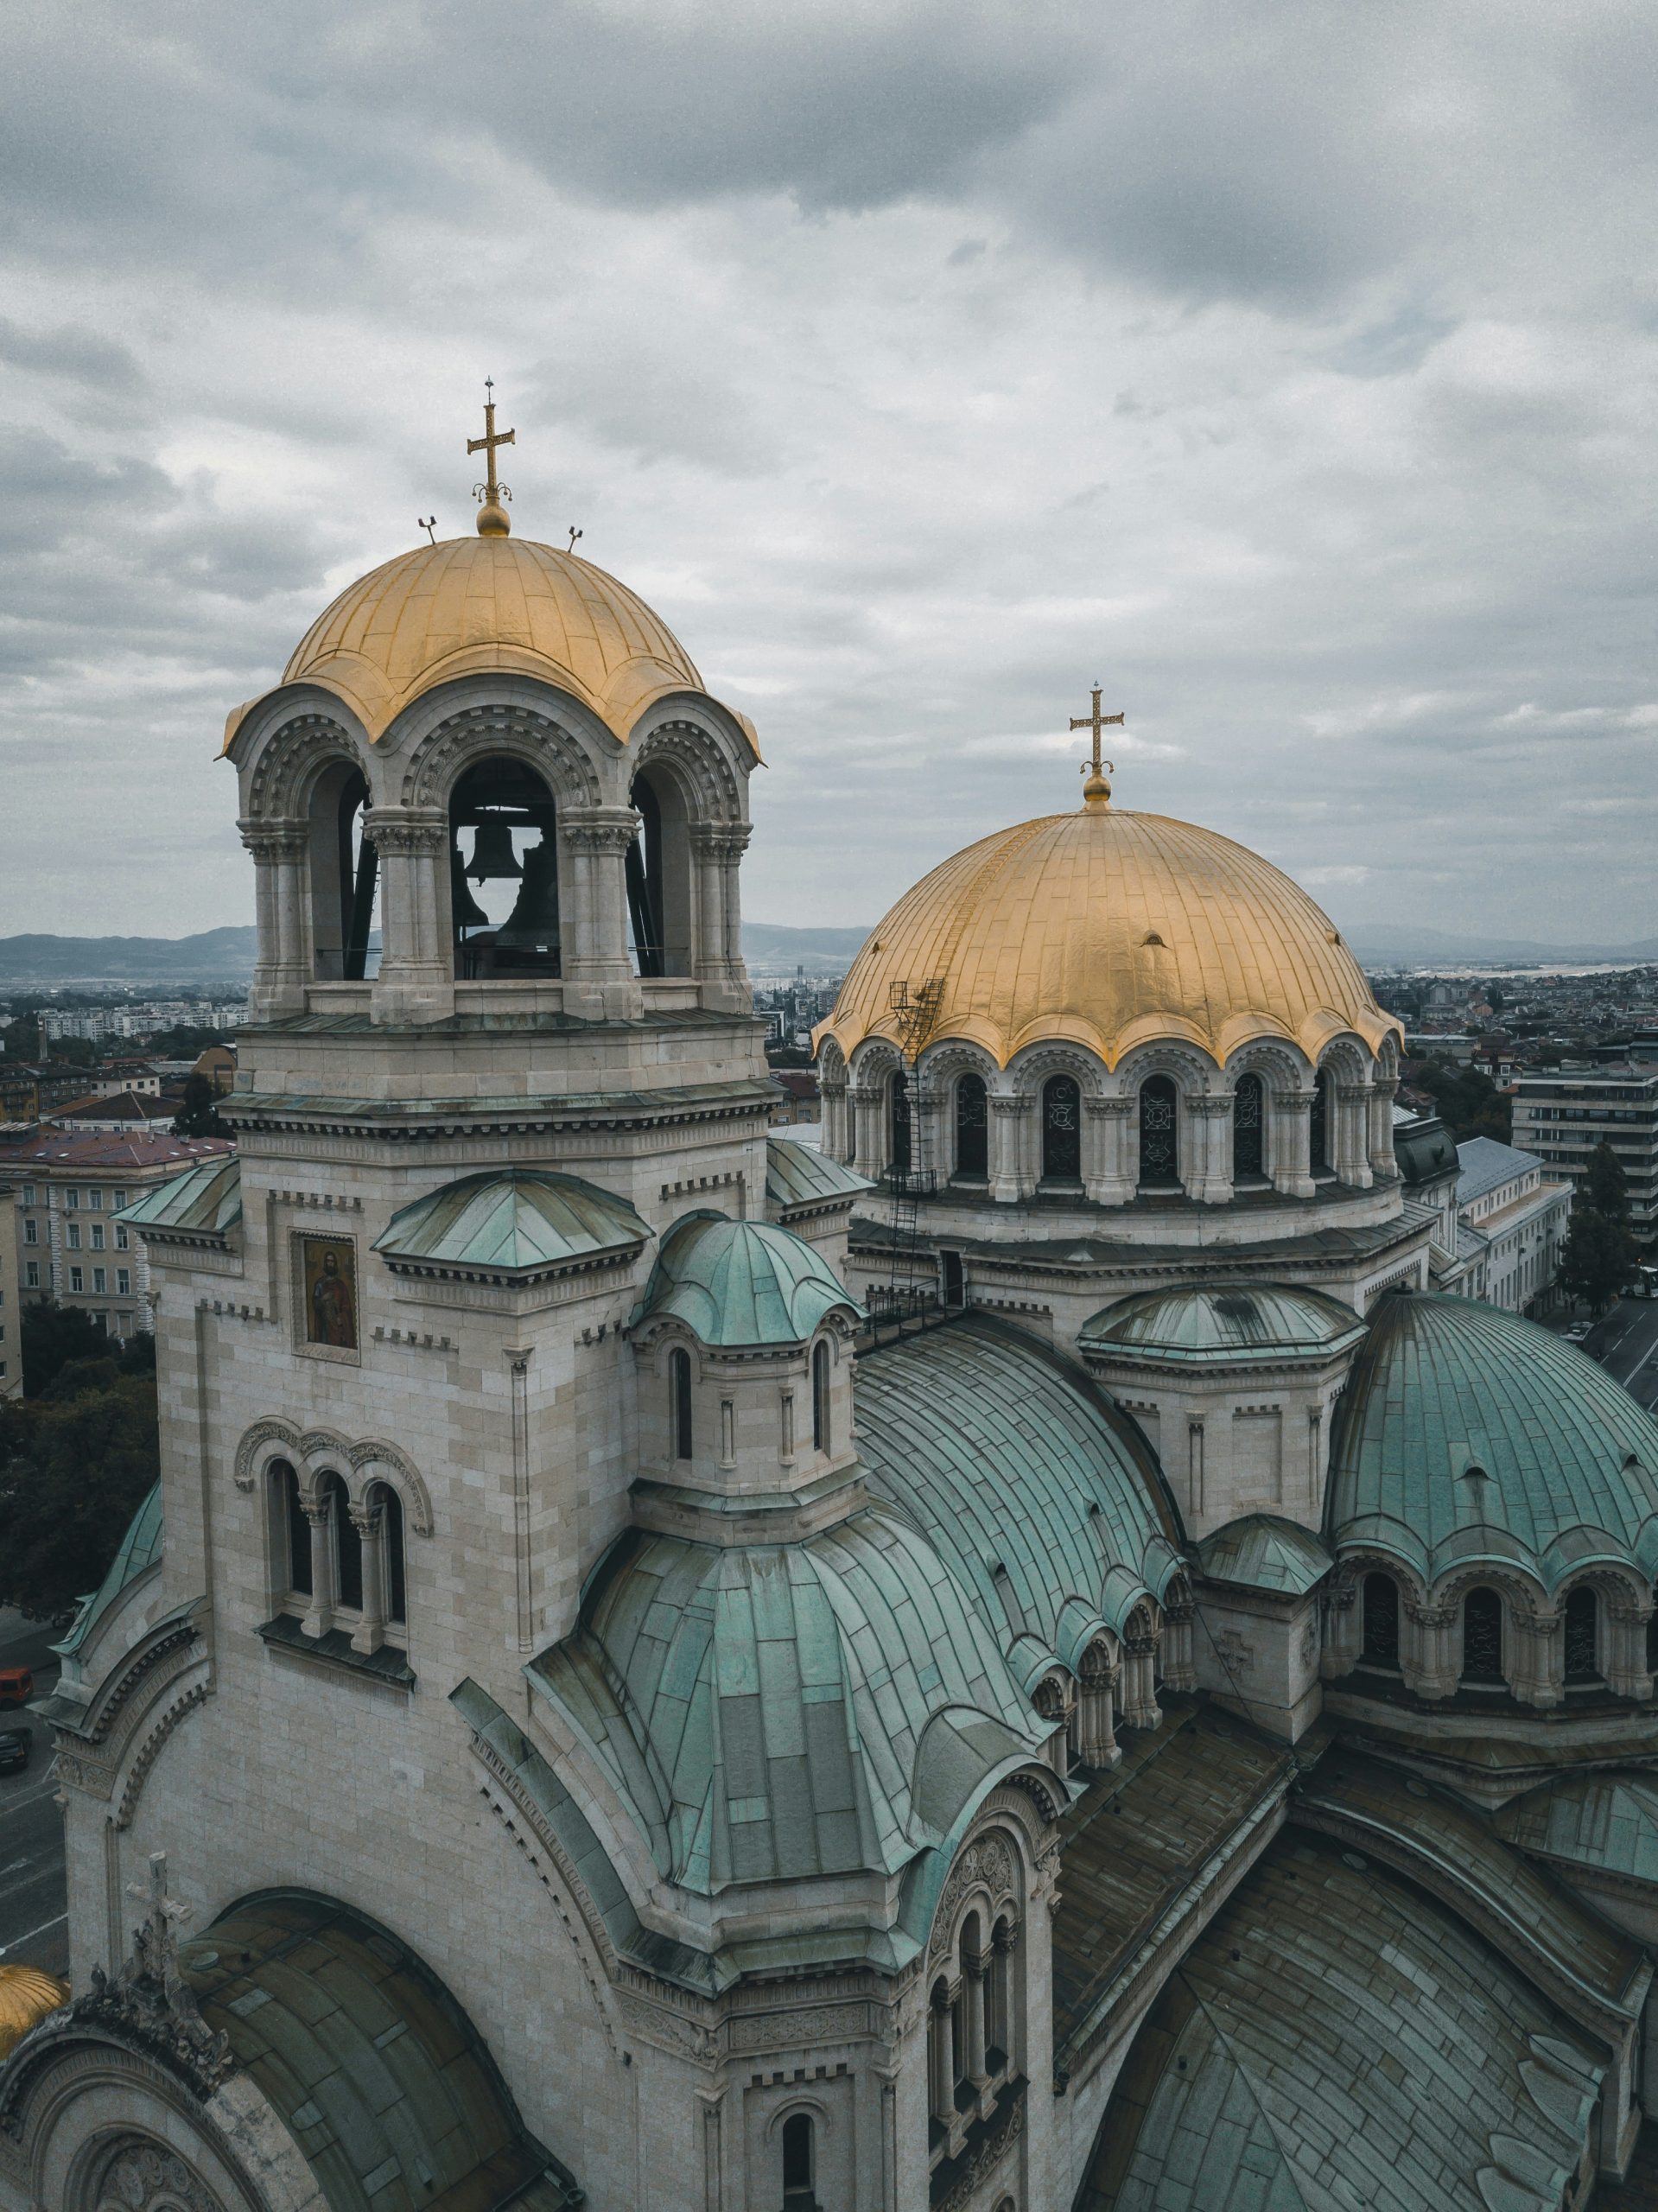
[(721, 841), (606, 830), (406, 830)]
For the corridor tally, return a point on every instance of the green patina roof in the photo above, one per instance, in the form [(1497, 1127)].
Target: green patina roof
[(775, 1712), (141, 1548), (1008, 1458), (1262, 1552), (800, 1175), (1609, 1821), (1337, 2039), (741, 1282), (511, 1221), (205, 1200), (1211, 1325), (1443, 1384), (383, 2082)]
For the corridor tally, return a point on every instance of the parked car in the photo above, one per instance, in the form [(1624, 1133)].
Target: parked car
[(16, 1686), (1576, 1332), (14, 1749)]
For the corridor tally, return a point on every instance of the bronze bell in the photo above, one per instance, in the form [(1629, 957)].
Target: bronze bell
[(492, 854), (466, 912), (533, 924)]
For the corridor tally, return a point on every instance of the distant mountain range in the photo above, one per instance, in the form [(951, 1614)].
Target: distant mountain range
[(773, 950)]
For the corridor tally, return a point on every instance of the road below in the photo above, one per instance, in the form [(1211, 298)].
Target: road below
[(1626, 1344), (33, 1929)]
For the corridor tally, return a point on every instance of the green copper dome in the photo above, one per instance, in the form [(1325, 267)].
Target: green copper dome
[(741, 1282), (1467, 1435), (1217, 1326)]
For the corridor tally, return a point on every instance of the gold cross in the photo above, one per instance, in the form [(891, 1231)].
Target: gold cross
[(490, 492), (1096, 722)]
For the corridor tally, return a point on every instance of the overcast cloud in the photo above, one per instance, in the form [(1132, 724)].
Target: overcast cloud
[(1291, 370)]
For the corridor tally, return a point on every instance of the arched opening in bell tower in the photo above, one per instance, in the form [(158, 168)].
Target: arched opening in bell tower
[(659, 876), (504, 902), (345, 879)]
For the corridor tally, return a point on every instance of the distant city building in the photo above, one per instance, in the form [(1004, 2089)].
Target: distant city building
[(799, 1100), (1520, 1217), (122, 1110), (12, 1350), (63, 1189), (1561, 1114)]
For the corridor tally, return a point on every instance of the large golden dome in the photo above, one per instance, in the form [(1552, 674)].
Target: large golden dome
[(468, 606), (1107, 929), (27, 1996)]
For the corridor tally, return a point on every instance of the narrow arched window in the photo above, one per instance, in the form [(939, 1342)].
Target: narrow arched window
[(972, 1129), (347, 1543), (1380, 1622), (1062, 1130), (391, 1505), (679, 1394), (898, 1122), (820, 1397), (295, 1568), (1248, 1130), (799, 2162), (1582, 1640), (1160, 1136), (1318, 1125), (1482, 1636)]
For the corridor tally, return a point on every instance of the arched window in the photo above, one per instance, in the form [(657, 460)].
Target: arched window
[(345, 877), (898, 1122), (347, 1543), (1159, 1138), (1380, 1622), (1482, 1636), (503, 872), (294, 1532), (1582, 1640), (1002, 1996), (1318, 1125), (658, 870), (972, 1129), (1062, 1130), (799, 2163), (392, 1553), (820, 1397), (679, 1396), (1248, 1130)]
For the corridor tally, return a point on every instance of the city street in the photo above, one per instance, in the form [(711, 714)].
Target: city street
[(1626, 1344), (32, 1929)]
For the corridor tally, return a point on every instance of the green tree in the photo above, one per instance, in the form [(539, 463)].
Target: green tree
[(1605, 1186), (198, 1117), (50, 1336), (1467, 1102), (73, 1470), (1598, 1258)]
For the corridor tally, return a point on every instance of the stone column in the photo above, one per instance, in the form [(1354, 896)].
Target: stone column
[(1291, 1144), (1429, 1657), (1209, 1127), (1100, 1746), (1140, 1706), (836, 1141), (416, 976), (1179, 1662), (282, 969), (926, 1113), (1535, 1668), (598, 974), (1343, 1627), (1351, 1153), (1009, 1182), (973, 2007), (369, 1520), (1626, 1658), (717, 848), (940, 2051), (1004, 1943), (319, 1614), (869, 1138), (1109, 1175), (1384, 1168)]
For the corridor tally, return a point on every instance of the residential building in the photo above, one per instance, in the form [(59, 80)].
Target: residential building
[(1563, 1114), (117, 1111), (799, 1100), (1520, 1217), (64, 1188)]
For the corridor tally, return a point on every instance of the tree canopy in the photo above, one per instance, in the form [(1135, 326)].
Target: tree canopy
[(1467, 1102), (1598, 1258), (1605, 1185)]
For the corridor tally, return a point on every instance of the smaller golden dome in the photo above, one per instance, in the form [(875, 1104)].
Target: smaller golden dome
[(27, 1996)]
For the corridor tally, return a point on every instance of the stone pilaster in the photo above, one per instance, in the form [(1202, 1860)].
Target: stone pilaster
[(867, 1102), (283, 967), (1535, 1665), (1430, 1656), (1350, 1145), (1291, 1144), (1108, 1164), (1625, 1632), (417, 973), (598, 975), (369, 1520), (1384, 1168), (1009, 1181), (717, 848), (837, 1143), (1343, 1629), (1140, 1706), (1209, 1127)]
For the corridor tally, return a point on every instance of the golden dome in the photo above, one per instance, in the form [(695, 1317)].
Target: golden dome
[(27, 1996), (468, 606), (1107, 929)]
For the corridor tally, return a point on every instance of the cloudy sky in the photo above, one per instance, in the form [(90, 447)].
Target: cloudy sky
[(1291, 370)]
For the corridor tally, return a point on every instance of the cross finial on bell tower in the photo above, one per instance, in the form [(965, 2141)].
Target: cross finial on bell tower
[(1096, 792), (492, 518)]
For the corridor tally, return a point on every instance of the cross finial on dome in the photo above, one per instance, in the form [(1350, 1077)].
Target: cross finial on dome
[(492, 518), (1096, 792)]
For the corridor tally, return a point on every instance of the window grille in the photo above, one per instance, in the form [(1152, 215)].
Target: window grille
[(1062, 1130)]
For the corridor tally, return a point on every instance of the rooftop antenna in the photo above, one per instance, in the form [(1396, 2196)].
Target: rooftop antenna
[(428, 524), (575, 534)]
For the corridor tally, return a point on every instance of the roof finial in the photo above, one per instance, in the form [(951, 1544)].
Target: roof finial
[(492, 519), (1096, 792)]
